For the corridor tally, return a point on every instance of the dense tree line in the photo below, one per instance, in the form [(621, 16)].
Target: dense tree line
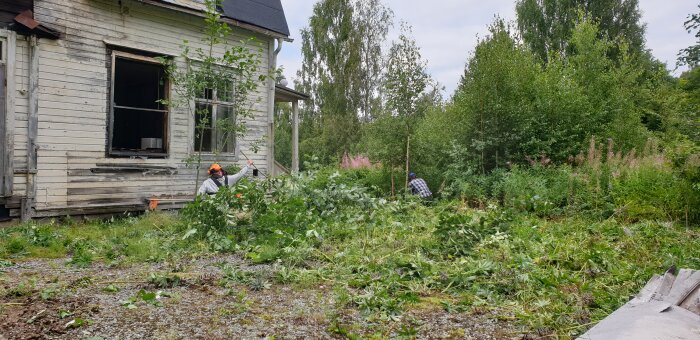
[(568, 71), (548, 25)]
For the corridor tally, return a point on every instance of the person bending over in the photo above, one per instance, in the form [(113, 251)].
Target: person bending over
[(419, 187)]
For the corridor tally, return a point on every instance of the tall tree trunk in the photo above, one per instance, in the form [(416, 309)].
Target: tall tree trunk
[(408, 148), (483, 146)]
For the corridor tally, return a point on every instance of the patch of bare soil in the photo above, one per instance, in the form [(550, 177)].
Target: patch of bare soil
[(47, 300), (35, 318)]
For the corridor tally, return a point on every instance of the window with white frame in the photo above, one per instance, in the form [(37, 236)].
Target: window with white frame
[(215, 120)]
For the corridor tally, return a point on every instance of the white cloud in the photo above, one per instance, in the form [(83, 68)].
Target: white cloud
[(446, 30), (665, 32)]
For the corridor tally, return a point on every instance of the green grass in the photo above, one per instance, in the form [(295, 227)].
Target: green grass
[(151, 238), (555, 277)]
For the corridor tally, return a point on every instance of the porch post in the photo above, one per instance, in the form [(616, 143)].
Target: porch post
[(295, 136), (29, 201)]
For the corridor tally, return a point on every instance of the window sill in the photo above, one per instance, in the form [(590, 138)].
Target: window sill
[(137, 154)]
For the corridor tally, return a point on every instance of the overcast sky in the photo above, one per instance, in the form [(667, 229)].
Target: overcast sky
[(447, 30)]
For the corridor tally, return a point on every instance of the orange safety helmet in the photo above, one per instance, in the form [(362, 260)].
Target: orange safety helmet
[(214, 168)]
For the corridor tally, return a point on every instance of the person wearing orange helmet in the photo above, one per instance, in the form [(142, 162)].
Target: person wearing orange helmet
[(218, 178)]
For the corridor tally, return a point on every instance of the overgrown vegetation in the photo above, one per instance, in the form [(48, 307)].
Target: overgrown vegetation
[(560, 249)]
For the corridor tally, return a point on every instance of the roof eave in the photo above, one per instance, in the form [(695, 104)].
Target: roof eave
[(285, 94), (250, 27)]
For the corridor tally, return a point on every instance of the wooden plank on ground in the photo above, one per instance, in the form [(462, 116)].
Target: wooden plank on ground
[(647, 293), (685, 283), (664, 287)]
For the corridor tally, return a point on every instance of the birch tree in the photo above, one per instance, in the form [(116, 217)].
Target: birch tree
[(231, 71), (409, 92), (341, 68)]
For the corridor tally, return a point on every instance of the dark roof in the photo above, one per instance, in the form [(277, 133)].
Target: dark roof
[(267, 14), (284, 94)]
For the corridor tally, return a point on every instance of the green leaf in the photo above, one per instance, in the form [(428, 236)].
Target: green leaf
[(312, 233), (146, 296), (110, 289), (64, 313), (189, 233)]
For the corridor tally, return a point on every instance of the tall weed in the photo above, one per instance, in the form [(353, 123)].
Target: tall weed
[(599, 183), (651, 190)]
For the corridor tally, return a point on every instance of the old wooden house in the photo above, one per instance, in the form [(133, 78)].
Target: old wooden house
[(81, 126)]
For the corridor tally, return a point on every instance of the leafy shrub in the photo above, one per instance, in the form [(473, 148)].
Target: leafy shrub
[(335, 195), (212, 217), (458, 233), (467, 181), (600, 185), (40, 235), (280, 210), (290, 214), (15, 246), (540, 190), (376, 180)]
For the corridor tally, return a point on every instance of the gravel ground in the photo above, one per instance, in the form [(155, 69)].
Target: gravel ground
[(35, 293)]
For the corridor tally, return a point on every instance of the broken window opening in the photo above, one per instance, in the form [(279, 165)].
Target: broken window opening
[(139, 119), (215, 120)]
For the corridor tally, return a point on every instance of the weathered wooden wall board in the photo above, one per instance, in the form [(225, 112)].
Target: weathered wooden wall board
[(70, 112)]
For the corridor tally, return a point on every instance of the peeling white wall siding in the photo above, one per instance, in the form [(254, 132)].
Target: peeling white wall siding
[(74, 104), (21, 107), (8, 55)]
